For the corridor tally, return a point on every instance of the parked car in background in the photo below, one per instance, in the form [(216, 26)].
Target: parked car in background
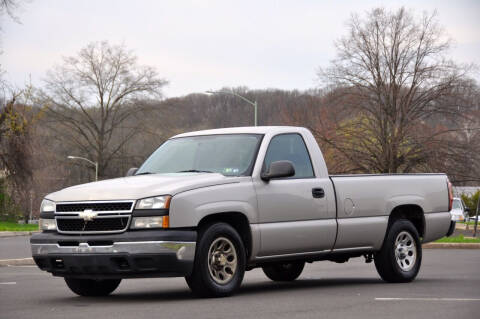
[(472, 218), (459, 210)]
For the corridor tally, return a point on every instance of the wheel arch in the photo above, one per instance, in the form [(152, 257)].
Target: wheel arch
[(411, 212), (237, 220)]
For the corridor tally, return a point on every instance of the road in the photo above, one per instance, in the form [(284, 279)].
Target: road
[(15, 247), (324, 290)]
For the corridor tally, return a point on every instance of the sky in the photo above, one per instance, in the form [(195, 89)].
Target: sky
[(203, 45)]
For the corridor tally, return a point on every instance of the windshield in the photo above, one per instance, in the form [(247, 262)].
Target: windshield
[(230, 155)]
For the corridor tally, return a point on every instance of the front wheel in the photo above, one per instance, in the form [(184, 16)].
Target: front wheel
[(91, 287), (220, 262), (284, 271), (400, 258)]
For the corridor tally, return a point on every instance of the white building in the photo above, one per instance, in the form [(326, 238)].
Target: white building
[(466, 190)]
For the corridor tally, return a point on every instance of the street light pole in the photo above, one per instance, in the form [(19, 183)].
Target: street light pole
[(255, 106), (86, 159), (254, 103), (476, 219)]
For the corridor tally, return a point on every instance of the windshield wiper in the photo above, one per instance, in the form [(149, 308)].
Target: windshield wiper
[(194, 171), (144, 173)]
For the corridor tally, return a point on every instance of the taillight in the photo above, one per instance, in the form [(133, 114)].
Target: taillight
[(450, 195)]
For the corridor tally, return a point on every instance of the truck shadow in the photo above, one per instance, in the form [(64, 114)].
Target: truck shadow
[(247, 289), (305, 284)]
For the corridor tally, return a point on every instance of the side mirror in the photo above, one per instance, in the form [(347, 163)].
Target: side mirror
[(467, 210), (278, 169), (132, 171)]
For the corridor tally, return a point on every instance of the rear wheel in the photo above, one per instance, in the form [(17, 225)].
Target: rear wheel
[(400, 258), (219, 262), (284, 271), (91, 287)]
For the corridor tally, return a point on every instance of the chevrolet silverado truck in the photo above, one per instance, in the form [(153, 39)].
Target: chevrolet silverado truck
[(210, 205)]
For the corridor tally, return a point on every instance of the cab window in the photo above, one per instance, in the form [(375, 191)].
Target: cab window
[(290, 147)]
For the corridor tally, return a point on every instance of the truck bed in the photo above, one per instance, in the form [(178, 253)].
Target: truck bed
[(365, 201)]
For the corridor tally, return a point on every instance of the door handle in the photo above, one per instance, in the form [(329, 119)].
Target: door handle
[(318, 193)]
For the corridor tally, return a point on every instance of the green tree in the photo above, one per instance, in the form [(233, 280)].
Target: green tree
[(16, 124), (471, 202)]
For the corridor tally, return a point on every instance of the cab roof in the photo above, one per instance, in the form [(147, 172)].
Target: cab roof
[(246, 130)]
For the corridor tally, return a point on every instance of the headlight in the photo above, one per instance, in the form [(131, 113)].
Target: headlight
[(47, 206), (158, 202), (47, 224), (150, 222)]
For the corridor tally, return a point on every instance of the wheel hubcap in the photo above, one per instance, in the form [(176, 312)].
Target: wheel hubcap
[(222, 260), (405, 251)]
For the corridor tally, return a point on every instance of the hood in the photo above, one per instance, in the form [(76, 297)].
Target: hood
[(136, 187), (456, 211)]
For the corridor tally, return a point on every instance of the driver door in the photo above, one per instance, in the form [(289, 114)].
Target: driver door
[(292, 219)]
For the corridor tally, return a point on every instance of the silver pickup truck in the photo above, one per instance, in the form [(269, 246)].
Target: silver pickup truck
[(210, 205)]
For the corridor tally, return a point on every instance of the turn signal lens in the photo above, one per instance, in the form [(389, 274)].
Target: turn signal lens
[(47, 224), (149, 222), (166, 222)]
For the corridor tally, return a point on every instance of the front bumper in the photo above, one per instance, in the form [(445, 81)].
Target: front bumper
[(132, 254)]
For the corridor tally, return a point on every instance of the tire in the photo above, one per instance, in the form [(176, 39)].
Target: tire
[(400, 258), (220, 262), (284, 271), (91, 287)]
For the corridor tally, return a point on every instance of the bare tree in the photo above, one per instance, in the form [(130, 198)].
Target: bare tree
[(461, 145), (15, 150), (392, 74), (9, 7), (92, 95)]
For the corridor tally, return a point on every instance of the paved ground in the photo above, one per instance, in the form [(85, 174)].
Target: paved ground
[(15, 247), (325, 290), (465, 232)]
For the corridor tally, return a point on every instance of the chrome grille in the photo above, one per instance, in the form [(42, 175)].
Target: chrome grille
[(96, 207), (112, 217), (99, 224)]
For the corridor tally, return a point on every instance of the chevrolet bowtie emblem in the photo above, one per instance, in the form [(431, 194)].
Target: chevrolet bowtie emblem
[(87, 215)]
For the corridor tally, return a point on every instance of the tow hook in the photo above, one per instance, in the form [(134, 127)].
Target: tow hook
[(368, 258)]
